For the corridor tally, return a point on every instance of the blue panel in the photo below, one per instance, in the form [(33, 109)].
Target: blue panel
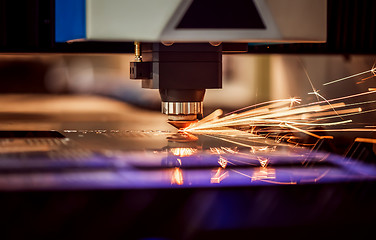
[(70, 20)]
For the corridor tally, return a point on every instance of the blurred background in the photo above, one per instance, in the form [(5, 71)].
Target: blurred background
[(247, 78)]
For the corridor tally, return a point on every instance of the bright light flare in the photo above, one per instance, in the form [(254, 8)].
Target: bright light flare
[(177, 177), (183, 152), (222, 161)]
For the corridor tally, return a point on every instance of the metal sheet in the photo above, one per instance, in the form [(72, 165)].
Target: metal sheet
[(107, 144)]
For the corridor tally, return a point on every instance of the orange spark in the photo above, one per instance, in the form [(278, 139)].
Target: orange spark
[(177, 177), (183, 152)]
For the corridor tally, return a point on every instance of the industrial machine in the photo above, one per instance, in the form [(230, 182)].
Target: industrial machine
[(88, 167), (182, 42)]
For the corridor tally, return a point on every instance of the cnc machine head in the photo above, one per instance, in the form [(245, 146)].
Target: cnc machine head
[(190, 62), (179, 43)]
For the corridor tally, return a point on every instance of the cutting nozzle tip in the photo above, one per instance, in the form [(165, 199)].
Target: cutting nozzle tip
[(181, 124)]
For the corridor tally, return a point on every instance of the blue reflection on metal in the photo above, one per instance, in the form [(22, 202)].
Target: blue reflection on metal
[(122, 173)]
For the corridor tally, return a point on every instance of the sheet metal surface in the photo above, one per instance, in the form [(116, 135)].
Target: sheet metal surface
[(106, 144)]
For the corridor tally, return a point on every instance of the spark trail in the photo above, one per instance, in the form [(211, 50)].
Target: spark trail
[(268, 118), (372, 71)]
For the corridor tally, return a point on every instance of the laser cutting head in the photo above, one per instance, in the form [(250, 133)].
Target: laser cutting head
[(191, 61), (181, 48), (182, 72)]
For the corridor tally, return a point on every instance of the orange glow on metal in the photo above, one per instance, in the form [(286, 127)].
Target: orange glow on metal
[(222, 150), (219, 175), (366, 140), (216, 150), (177, 177), (222, 161), (229, 150), (183, 152), (263, 173), (183, 137), (263, 161), (179, 161), (255, 149)]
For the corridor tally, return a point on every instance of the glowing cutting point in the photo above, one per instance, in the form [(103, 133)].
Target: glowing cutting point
[(181, 125)]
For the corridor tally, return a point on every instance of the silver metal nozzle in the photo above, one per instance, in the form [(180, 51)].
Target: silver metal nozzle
[(182, 110)]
